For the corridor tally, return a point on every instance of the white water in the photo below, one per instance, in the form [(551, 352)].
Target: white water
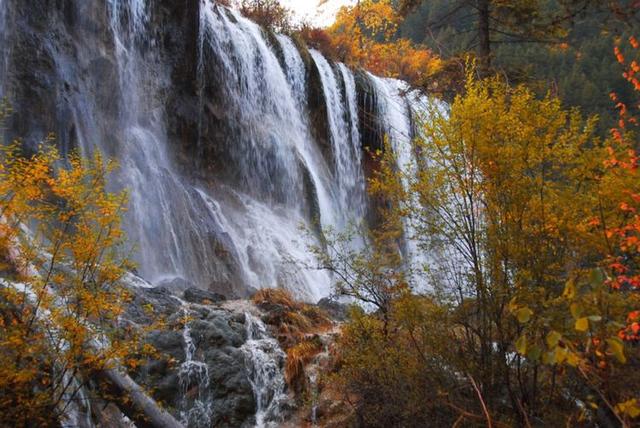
[(395, 114), (347, 167), (3, 48), (295, 69), (264, 361), (268, 243), (270, 147), (281, 179), (356, 192), (195, 412)]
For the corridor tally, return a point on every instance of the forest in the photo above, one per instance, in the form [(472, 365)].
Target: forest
[(218, 214)]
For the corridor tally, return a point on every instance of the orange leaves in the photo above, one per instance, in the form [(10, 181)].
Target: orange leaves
[(623, 161), (365, 35), (618, 54), (71, 262), (627, 208), (632, 331)]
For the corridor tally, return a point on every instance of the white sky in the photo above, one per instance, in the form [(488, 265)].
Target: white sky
[(309, 10)]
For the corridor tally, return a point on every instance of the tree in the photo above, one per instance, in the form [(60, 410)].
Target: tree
[(365, 35), (61, 252), (267, 13), (494, 22), (520, 322)]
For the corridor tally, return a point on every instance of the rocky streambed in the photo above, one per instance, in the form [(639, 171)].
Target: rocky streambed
[(223, 363)]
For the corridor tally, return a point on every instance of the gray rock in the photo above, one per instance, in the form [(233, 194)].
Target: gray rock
[(336, 310), (218, 335), (151, 304), (176, 284), (196, 295)]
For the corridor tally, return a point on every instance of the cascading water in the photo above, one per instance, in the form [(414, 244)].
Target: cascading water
[(264, 361), (3, 54), (237, 222), (357, 192), (396, 114), (344, 139), (295, 69), (272, 147), (195, 411)]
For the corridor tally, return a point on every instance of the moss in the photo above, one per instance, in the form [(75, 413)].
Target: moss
[(274, 44), (303, 49)]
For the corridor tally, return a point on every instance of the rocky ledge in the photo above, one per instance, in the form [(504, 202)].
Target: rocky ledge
[(235, 363)]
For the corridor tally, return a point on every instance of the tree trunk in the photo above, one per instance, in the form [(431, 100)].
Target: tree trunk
[(133, 401), (484, 40)]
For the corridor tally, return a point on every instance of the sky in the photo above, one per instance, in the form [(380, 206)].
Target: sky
[(309, 10)]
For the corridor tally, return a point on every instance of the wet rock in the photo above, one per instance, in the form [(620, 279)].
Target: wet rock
[(336, 310), (175, 284), (227, 289), (151, 304), (196, 295), (217, 336)]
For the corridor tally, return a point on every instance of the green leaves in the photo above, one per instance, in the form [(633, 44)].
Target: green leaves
[(596, 278)]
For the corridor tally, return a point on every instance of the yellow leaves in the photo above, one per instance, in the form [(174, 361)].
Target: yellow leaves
[(630, 407), (524, 315), (364, 35), (553, 338), (582, 324), (75, 246), (616, 347), (569, 290), (521, 345)]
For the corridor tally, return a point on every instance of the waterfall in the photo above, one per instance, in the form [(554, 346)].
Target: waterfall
[(195, 412), (341, 118), (222, 209), (357, 192), (3, 47), (395, 112), (295, 69), (264, 360)]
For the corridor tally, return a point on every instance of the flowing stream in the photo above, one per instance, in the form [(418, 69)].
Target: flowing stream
[(193, 374), (265, 360)]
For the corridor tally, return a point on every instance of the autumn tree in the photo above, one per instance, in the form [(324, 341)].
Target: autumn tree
[(365, 35), (268, 13), (62, 257), (516, 315)]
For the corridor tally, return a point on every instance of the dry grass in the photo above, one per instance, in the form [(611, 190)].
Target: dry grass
[(275, 296), (297, 326), (293, 320), (298, 357)]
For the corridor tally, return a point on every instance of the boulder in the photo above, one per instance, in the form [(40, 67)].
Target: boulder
[(199, 296), (336, 310), (217, 336), (176, 283)]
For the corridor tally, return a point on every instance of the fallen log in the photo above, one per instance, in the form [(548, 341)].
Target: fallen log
[(133, 401)]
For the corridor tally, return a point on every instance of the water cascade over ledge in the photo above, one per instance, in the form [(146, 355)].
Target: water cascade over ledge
[(229, 139)]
